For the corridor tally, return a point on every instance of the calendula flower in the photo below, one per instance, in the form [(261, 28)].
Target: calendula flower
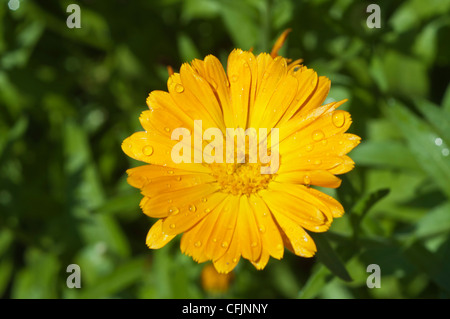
[(214, 282), (232, 208)]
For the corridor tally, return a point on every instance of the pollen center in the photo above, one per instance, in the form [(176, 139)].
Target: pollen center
[(238, 179)]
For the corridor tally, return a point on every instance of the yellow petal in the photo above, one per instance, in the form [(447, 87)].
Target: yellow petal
[(225, 217), (279, 43), (191, 207), (247, 228), (156, 238), (295, 208), (301, 243), (242, 70), (310, 196), (321, 178), (270, 234)]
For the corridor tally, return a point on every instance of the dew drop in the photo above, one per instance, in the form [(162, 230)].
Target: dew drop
[(174, 210), (147, 150), (207, 210), (192, 208), (266, 75), (178, 178), (309, 148), (214, 240), (317, 135), (172, 226), (246, 65), (198, 244), (338, 118), (169, 172), (167, 129), (204, 199), (234, 78), (317, 162), (224, 244), (307, 180), (235, 260), (254, 244), (179, 88), (262, 229)]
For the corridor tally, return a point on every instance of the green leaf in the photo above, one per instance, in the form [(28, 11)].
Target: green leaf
[(422, 141), (315, 283), (362, 207), (436, 222), (39, 279), (434, 265), (438, 118), (327, 256), (446, 100), (124, 276), (384, 154)]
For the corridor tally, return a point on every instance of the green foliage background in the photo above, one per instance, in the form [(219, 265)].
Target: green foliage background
[(68, 98)]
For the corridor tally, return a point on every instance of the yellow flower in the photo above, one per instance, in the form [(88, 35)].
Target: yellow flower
[(226, 211), (214, 282)]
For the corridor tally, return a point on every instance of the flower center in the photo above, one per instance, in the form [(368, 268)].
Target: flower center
[(240, 178)]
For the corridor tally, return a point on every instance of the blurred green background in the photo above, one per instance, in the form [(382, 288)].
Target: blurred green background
[(68, 98)]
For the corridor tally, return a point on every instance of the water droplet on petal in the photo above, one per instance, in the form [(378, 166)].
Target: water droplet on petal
[(198, 244), (317, 135), (207, 210), (262, 229), (179, 88), (224, 244), (169, 172), (254, 244), (192, 208), (147, 150), (167, 129), (234, 78), (204, 199), (172, 226), (317, 162), (235, 260), (307, 180), (338, 118), (178, 178), (174, 210), (266, 75), (309, 148)]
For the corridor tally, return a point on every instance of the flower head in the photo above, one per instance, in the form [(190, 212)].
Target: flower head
[(220, 198)]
